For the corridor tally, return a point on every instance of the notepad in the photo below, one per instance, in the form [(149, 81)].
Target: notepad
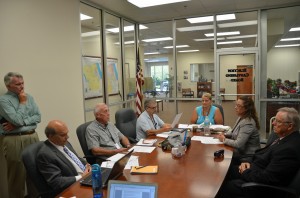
[(144, 170)]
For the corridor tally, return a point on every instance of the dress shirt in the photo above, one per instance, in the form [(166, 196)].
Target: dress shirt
[(24, 116)]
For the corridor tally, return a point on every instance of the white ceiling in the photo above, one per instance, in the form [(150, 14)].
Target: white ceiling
[(195, 8)]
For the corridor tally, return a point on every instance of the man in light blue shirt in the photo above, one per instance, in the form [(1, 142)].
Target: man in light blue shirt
[(19, 116), (149, 123)]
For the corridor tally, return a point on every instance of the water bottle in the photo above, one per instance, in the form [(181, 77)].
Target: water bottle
[(206, 125), (97, 181)]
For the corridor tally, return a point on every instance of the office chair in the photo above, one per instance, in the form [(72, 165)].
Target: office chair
[(90, 158), (126, 123), (254, 190), (221, 109), (29, 160)]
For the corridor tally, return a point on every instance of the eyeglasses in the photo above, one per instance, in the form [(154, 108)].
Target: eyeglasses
[(152, 107), (238, 106), (280, 122)]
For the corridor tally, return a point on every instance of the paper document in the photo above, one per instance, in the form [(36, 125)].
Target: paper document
[(142, 149), (207, 140), (115, 157), (164, 134), (148, 142), (133, 161)]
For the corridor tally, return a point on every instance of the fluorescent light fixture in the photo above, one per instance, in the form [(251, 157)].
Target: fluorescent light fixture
[(84, 17), (295, 29), (228, 42), (237, 24), (157, 39), (93, 33), (290, 39), (186, 51), (222, 17), (149, 3), (150, 53), (195, 28), (242, 37), (126, 42), (223, 33), (293, 45), (177, 46), (210, 39), (126, 28)]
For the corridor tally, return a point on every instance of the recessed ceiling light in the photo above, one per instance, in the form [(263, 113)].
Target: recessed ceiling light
[(177, 46), (222, 17), (157, 39), (290, 39), (293, 45), (84, 17), (223, 33), (210, 39), (228, 42), (240, 37), (126, 42), (195, 28), (185, 51), (295, 29), (237, 24), (126, 28), (149, 3), (150, 53)]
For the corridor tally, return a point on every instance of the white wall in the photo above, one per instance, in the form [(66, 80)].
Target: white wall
[(41, 40), (284, 63)]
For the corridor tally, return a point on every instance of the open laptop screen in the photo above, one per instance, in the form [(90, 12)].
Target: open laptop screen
[(125, 189)]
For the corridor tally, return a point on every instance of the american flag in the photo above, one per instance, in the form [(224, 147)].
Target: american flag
[(139, 83)]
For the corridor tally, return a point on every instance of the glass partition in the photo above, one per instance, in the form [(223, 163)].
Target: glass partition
[(91, 58)]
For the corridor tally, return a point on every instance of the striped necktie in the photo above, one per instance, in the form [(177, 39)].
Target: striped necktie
[(74, 158)]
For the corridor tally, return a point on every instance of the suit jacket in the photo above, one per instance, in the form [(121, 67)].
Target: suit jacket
[(244, 137), (57, 170), (276, 164)]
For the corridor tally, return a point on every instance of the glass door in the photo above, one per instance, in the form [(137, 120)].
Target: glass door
[(237, 75)]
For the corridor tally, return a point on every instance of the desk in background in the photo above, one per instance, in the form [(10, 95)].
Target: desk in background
[(197, 174)]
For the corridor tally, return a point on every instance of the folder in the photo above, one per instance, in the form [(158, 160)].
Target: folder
[(144, 170)]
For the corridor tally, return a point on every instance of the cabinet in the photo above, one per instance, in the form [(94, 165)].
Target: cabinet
[(203, 87)]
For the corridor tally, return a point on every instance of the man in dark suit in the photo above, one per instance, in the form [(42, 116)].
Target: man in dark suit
[(57, 161), (275, 164)]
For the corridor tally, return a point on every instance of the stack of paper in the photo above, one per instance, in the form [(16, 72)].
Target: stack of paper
[(207, 140), (148, 142)]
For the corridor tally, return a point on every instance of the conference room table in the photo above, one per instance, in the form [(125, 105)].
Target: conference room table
[(196, 174)]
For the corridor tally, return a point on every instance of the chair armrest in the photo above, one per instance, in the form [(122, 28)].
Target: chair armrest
[(252, 189), (132, 140)]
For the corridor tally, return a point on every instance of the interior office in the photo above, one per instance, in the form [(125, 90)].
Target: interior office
[(42, 40)]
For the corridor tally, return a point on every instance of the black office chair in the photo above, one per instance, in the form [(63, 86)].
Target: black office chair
[(29, 160), (254, 190), (90, 158), (221, 109), (126, 123)]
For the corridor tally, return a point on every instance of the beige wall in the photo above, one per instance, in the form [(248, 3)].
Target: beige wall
[(41, 40)]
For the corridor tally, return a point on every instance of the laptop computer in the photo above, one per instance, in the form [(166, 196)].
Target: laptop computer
[(117, 189), (176, 121), (109, 173)]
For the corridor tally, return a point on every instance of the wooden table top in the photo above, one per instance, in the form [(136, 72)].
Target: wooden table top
[(197, 174)]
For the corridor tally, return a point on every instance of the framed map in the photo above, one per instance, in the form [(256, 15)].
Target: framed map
[(92, 75)]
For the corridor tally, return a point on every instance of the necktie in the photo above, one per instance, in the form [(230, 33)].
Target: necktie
[(74, 158), (275, 142)]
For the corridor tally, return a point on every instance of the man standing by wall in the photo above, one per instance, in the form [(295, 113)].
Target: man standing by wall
[(19, 116)]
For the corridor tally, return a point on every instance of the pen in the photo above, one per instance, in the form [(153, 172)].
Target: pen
[(140, 167)]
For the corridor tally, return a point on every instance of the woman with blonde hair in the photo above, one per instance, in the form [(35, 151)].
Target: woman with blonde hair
[(207, 109)]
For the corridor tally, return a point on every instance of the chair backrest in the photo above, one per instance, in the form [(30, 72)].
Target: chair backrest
[(29, 160), (126, 123), (296, 183), (80, 131), (221, 109), (186, 90)]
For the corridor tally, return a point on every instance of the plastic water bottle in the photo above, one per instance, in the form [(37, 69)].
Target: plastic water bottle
[(97, 181), (206, 125)]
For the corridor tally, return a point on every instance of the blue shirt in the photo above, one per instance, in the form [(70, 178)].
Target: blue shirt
[(145, 123), (211, 114), (24, 116)]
